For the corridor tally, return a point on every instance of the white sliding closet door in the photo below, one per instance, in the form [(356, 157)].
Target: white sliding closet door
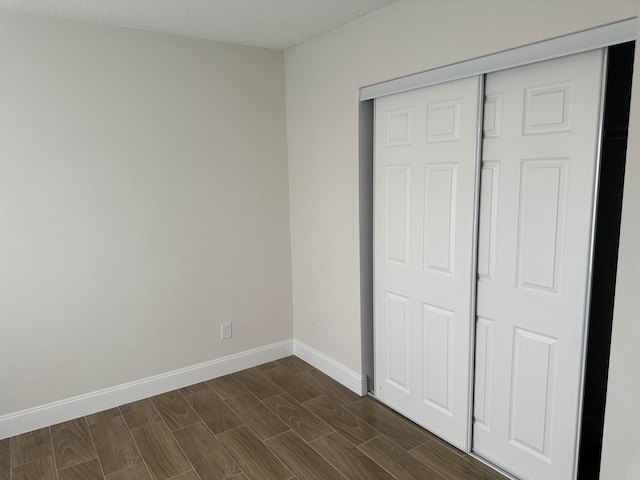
[(425, 174), (541, 130)]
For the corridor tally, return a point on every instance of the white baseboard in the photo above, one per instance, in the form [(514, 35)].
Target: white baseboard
[(347, 377), (70, 408)]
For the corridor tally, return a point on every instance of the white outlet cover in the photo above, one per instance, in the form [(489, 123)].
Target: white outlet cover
[(225, 331)]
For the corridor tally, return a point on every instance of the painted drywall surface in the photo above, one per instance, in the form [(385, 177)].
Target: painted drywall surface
[(143, 201), (621, 442), (322, 81)]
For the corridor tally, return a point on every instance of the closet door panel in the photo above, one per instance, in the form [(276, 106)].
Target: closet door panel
[(539, 161), (425, 174)]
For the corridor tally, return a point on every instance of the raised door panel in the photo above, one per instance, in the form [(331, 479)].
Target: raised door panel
[(438, 358), (397, 213), (440, 214), (487, 220), (483, 374), (547, 108), (397, 331), (532, 393), (443, 121), (541, 223), (399, 127)]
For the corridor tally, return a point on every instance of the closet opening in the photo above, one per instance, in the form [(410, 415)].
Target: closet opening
[(607, 234), (596, 340)]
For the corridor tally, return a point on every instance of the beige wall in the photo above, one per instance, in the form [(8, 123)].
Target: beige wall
[(143, 201), (322, 79)]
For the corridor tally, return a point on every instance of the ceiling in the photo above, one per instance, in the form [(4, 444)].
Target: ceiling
[(273, 24)]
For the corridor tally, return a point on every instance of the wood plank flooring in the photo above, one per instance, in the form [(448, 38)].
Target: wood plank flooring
[(284, 420)]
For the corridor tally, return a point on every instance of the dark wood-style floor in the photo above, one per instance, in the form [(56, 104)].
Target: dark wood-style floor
[(282, 420)]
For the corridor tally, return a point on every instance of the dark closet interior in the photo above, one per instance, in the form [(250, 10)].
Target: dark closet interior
[(607, 235)]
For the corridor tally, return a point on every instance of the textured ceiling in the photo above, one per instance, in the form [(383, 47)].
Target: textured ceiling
[(275, 24)]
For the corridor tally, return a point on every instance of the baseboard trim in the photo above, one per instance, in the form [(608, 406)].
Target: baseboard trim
[(74, 407), (68, 409), (347, 377)]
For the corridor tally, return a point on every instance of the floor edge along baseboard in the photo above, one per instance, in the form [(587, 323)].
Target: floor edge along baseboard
[(86, 404), (344, 375)]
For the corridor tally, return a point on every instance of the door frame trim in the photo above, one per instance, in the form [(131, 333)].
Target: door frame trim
[(591, 39)]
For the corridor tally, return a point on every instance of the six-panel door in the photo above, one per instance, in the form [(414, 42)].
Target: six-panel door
[(539, 156), (425, 173)]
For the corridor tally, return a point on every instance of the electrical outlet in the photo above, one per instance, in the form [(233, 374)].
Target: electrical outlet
[(225, 331)]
